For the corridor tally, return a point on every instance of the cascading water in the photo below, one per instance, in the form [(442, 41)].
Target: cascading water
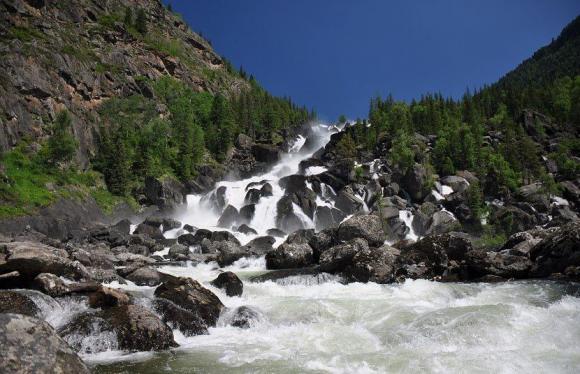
[(318, 324)]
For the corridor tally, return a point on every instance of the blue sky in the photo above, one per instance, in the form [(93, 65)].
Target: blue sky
[(334, 55)]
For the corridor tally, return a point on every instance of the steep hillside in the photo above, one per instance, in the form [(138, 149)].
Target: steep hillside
[(75, 55)]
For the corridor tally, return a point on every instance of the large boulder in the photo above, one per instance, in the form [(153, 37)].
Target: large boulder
[(177, 317), (288, 256), (340, 256), (244, 317), (374, 265), (192, 296), (558, 253), (260, 245), (30, 345), (31, 259), (326, 217), (441, 222), (286, 218), (322, 241), (230, 283), (480, 264), (125, 327), (13, 301), (368, 227), (178, 252), (164, 192), (153, 232), (415, 182), (457, 183), (51, 285), (229, 217), (266, 153), (348, 202), (145, 276)]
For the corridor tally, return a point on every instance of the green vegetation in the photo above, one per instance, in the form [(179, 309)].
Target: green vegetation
[(24, 34), (141, 21), (61, 146)]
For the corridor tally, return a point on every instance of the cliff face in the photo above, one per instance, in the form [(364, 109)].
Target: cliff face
[(75, 54)]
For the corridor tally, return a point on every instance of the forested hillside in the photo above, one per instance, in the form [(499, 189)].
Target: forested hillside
[(121, 89)]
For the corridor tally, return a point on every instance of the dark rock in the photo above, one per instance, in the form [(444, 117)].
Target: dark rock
[(149, 230), (513, 219), (178, 252), (187, 321), (170, 224), (479, 263), (277, 275), (252, 196), (559, 252), (458, 184), (415, 182), (374, 265), (229, 282), (326, 217), (12, 301), (266, 153), (247, 213), (145, 276), (194, 239), (322, 241), (244, 317), (286, 219), (135, 329), (348, 202), (189, 228), (123, 226), (261, 245), (276, 233), (247, 230), (300, 236), (221, 236), (190, 295), (266, 190), (340, 256), (368, 227), (165, 193), (288, 256), (229, 217), (30, 345), (441, 222)]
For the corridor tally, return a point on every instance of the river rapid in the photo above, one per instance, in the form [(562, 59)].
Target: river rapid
[(319, 324)]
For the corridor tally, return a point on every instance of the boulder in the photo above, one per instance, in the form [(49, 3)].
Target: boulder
[(374, 265), (266, 190), (31, 259), (457, 183), (192, 296), (559, 252), (368, 227), (164, 192), (415, 182), (125, 327), (178, 252), (288, 256), (266, 153), (194, 239), (145, 276), (244, 317), (230, 283), (300, 236), (105, 297), (177, 317), (252, 196), (441, 222), (170, 224), (479, 263), (277, 233), (247, 213), (51, 285), (261, 245), (348, 202), (13, 301), (229, 217), (340, 256), (30, 345), (247, 230), (326, 217), (286, 219), (322, 241)]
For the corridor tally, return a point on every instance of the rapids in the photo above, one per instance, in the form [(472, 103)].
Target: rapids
[(319, 324)]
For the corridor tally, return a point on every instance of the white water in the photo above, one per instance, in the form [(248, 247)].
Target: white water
[(316, 324), (310, 324)]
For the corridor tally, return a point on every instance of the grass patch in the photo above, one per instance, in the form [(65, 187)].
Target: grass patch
[(25, 34), (172, 47), (27, 185)]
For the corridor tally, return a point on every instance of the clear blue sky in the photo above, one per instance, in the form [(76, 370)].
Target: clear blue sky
[(334, 55)]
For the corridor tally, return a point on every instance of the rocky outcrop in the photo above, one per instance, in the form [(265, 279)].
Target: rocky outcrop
[(287, 256), (230, 283), (166, 193), (368, 227), (374, 265), (337, 258), (193, 297), (30, 345), (558, 253)]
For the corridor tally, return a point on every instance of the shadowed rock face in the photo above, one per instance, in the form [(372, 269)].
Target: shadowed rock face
[(30, 345)]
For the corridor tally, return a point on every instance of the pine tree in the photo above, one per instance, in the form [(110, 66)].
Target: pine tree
[(141, 21), (128, 21), (61, 146)]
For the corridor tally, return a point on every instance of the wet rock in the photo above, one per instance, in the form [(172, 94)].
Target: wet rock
[(513, 219), (559, 252), (266, 153), (138, 250), (457, 183), (148, 230), (190, 295), (229, 217), (244, 317), (300, 236), (170, 224), (534, 194), (266, 190), (288, 256), (229, 282), (106, 297), (126, 327), (261, 245), (252, 196), (188, 322), (326, 217), (281, 274), (286, 219), (228, 252), (374, 265), (194, 239), (247, 230), (276, 233), (178, 252), (441, 222), (145, 276), (30, 345), (340, 256), (348, 202), (31, 259), (12, 301), (322, 241), (247, 213), (479, 263), (123, 226), (224, 236), (367, 227), (50, 284), (189, 228)]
